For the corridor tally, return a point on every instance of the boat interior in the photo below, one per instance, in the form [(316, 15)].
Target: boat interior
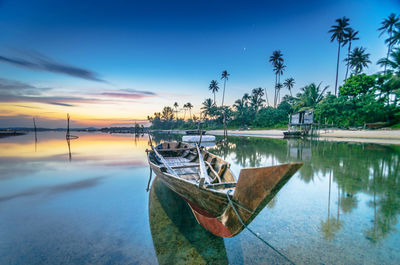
[(183, 160)]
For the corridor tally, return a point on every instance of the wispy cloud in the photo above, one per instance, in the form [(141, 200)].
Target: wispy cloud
[(129, 94), (60, 104), (12, 87), (37, 61)]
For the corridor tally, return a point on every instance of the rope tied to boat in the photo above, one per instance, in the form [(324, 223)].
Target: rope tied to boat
[(255, 234)]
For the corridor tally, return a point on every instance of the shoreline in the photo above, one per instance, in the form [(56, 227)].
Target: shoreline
[(364, 136)]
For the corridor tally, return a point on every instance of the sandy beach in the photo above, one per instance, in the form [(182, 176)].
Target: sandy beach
[(369, 136)]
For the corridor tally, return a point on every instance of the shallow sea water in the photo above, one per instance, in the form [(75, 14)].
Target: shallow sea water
[(85, 202)]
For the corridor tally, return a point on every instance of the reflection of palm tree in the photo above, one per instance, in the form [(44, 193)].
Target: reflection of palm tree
[(331, 225)]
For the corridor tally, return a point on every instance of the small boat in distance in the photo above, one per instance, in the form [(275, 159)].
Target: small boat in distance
[(195, 132), (220, 203)]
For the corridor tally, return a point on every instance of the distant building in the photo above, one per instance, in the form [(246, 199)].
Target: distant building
[(304, 117)]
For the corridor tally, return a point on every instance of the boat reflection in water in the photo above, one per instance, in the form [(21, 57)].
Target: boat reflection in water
[(177, 237)]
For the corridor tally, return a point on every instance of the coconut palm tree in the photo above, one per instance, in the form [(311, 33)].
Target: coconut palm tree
[(338, 33), (358, 60), (278, 92), (393, 62), (310, 96), (289, 83), (256, 100), (185, 109), (207, 107), (349, 36), (275, 59), (279, 68), (388, 26), (176, 105), (214, 88), (189, 106), (224, 76)]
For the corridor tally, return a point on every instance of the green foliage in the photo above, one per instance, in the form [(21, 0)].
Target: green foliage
[(357, 84)]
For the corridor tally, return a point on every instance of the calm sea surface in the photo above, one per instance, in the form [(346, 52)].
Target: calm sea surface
[(85, 202)]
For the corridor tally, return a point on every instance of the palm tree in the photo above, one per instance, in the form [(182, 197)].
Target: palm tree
[(246, 98), (189, 106), (358, 59), (224, 76), (256, 99), (289, 83), (338, 33), (388, 26), (349, 36), (393, 62), (278, 92), (185, 108), (214, 88), (279, 68), (311, 95), (207, 107), (176, 105), (276, 58)]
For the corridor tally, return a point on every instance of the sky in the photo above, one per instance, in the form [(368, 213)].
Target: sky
[(113, 63)]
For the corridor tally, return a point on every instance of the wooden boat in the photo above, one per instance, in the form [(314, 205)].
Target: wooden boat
[(195, 132), (292, 134), (220, 204)]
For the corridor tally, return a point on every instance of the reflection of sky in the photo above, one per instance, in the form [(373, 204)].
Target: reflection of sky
[(94, 209), (116, 62)]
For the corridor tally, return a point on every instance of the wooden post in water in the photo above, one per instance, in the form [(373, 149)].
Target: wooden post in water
[(67, 135), (34, 126)]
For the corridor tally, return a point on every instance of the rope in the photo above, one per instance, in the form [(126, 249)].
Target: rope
[(251, 231)]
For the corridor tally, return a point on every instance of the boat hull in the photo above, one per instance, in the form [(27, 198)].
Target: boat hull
[(225, 208)]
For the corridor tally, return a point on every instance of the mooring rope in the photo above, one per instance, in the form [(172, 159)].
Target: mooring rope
[(251, 231)]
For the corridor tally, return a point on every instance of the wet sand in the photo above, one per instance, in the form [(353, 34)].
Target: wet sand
[(370, 136)]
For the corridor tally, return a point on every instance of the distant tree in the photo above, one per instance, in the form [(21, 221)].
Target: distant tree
[(214, 88), (289, 83), (207, 107), (338, 33), (279, 68), (278, 92), (189, 106), (225, 77), (275, 59), (393, 62), (358, 60), (310, 96), (357, 84), (350, 35), (256, 100), (176, 105), (167, 114), (388, 26)]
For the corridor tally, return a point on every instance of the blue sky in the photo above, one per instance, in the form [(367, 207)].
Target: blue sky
[(142, 55)]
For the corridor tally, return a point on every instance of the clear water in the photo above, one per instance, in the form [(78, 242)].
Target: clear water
[(92, 207)]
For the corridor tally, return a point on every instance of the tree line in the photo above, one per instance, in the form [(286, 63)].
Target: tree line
[(359, 100)]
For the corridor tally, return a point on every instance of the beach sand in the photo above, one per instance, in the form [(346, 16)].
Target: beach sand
[(368, 136)]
